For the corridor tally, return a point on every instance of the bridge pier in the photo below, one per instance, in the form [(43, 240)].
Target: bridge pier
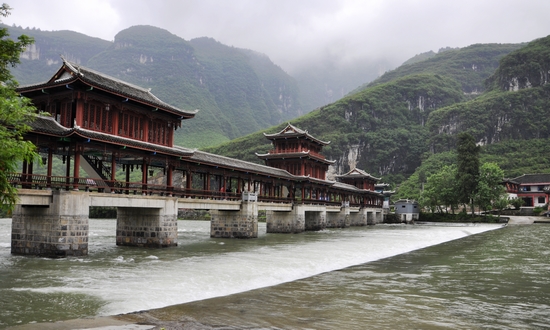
[(315, 220), (56, 229), (235, 223), (286, 222), (339, 219), (148, 227), (359, 218), (366, 216)]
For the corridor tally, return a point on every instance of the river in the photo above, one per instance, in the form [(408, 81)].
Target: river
[(376, 277)]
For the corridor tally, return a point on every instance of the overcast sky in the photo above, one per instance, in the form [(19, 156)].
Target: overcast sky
[(293, 31)]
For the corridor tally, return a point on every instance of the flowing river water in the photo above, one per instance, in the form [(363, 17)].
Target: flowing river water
[(375, 277)]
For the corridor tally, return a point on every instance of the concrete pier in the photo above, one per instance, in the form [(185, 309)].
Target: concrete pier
[(147, 227), (235, 224), (59, 229), (338, 217), (315, 220), (286, 222)]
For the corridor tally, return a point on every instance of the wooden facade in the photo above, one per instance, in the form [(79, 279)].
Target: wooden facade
[(297, 152)]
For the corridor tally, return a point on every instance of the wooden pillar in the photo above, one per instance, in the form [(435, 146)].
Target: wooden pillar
[(127, 185), (169, 179), (115, 117), (76, 169), (188, 179), (79, 113), (145, 136), (113, 168), (68, 169), (171, 135), (144, 168), (49, 170)]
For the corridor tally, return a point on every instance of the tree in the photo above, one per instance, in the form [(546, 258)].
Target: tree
[(440, 190), (15, 114), (490, 190), (468, 169)]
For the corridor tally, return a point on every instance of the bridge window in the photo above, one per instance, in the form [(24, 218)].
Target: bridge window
[(131, 125), (159, 132), (97, 118)]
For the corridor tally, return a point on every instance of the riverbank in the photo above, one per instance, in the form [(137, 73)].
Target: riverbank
[(526, 220)]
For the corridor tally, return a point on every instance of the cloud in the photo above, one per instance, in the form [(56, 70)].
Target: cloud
[(294, 32)]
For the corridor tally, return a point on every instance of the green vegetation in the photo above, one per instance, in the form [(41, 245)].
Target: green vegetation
[(470, 66), (15, 114), (467, 172)]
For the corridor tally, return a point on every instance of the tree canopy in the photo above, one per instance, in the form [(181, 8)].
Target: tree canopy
[(15, 113), (468, 168)]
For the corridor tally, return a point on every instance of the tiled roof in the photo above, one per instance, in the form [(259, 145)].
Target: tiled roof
[(217, 160), (71, 72), (293, 131), (357, 173), (292, 155), (48, 126), (532, 178)]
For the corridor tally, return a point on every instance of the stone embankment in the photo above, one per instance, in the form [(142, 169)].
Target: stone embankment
[(526, 220)]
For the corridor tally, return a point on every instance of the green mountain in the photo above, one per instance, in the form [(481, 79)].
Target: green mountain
[(237, 91), (469, 65), (404, 124), (42, 59)]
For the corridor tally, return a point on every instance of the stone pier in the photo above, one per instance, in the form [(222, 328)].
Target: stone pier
[(55, 223), (315, 220), (286, 222), (148, 227), (235, 224), (338, 218), (358, 217), (56, 229)]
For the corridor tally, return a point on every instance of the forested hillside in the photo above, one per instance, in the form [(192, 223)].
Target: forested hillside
[(470, 66), (237, 91), (405, 123), (42, 59)]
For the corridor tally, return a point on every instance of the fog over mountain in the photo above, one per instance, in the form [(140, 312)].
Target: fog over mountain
[(299, 34)]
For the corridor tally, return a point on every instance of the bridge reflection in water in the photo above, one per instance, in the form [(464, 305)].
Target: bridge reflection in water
[(108, 129)]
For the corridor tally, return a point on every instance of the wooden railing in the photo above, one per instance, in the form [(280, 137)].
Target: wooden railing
[(39, 181)]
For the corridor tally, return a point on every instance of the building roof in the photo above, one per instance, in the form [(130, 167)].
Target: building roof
[(357, 174), (291, 131), (231, 163), (540, 178), (406, 201), (71, 72), (295, 155), (202, 157)]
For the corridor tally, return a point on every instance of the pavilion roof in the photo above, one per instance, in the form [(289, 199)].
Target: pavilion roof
[(72, 72), (537, 178), (291, 131), (357, 173), (295, 155)]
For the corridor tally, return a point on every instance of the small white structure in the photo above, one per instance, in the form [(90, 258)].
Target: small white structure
[(407, 210)]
